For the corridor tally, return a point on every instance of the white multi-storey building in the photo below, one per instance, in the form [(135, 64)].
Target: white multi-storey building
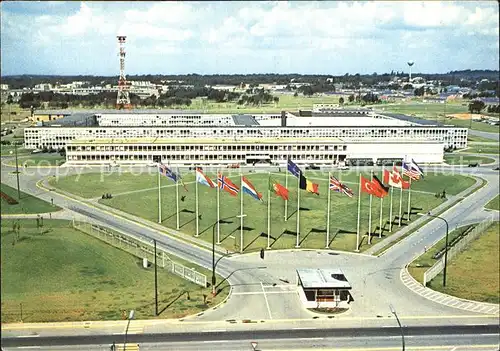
[(189, 138)]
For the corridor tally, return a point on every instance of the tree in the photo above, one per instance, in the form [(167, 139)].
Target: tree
[(419, 91), (341, 100), (476, 106), (295, 94), (351, 98), (276, 99)]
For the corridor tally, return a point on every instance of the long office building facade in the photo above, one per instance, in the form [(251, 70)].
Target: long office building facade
[(193, 137)]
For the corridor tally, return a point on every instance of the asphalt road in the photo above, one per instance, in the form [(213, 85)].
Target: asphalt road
[(318, 338), (376, 281)]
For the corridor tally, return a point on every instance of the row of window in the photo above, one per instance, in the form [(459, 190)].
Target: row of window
[(256, 147), (196, 157)]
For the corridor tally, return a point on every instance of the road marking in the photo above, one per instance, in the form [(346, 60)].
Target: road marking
[(311, 338), (28, 347), (264, 293), (215, 331), (308, 328), (215, 341), (267, 302)]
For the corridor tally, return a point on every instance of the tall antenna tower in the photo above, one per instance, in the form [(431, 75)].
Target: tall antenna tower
[(122, 99)]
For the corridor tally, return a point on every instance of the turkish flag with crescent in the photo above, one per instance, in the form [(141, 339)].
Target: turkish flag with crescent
[(367, 187)]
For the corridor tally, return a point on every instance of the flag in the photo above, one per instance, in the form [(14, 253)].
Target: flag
[(412, 170), (248, 188), (167, 172), (312, 187), (375, 187), (417, 168), (380, 188), (294, 169), (278, 189), (225, 184), (203, 179), (337, 186), (367, 186), (394, 179)]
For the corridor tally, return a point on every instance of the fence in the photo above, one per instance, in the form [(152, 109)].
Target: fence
[(457, 248), (141, 249)]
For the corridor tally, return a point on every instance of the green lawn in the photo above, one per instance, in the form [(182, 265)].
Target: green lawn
[(38, 160), (27, 203), (494, 204), (5, 150), (475, 138), (437, 111), (491, 148), (424, 262), (313, 214), (474, 274), (66, 275), (461, 159)]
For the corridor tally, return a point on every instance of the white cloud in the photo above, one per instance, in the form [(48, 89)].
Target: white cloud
[(259, 34)]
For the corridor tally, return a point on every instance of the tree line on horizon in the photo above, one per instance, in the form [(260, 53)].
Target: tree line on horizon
[(466, 78)]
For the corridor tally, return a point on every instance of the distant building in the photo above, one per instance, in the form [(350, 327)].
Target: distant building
[(4, 87)]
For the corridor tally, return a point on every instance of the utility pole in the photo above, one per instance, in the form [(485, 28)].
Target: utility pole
[(17, 173)]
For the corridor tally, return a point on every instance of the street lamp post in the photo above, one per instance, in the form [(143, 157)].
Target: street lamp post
[(130, 317), (446, 246), (400, 327), (156, 282)]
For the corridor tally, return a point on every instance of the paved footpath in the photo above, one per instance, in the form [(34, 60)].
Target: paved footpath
[(448, 300), (419, 221)]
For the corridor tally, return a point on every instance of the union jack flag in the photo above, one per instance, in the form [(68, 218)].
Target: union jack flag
[(225, 184), (337, 186)]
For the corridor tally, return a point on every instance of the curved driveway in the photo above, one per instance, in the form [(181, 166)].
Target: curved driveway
[(260, 293)]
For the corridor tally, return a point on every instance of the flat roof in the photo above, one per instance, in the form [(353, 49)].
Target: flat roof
[(323, 278), (411, 119), (245, 120)]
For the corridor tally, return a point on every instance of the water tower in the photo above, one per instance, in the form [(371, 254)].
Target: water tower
[(410, 63)]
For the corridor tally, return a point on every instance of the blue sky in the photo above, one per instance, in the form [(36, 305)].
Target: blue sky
[(248, 37)]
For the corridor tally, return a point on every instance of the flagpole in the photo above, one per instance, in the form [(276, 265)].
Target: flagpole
[(327, 246), (269, 211), (298, 210), (400, 200), (409, 198), (196, 204), (218, 210), (286, 201), (381, 207), (359, 209), (390, 210), (241, 212), (370, 216), (159, 195), (177, 195)]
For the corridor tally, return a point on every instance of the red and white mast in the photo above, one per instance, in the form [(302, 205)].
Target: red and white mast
[(122, 98)]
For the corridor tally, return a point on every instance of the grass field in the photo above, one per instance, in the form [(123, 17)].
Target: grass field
[(313, 207), (461, 159), (27, 203), (494, 204), (491, 148), (7, 111), (424, 262), (474, 274), (39, 160), (99, 281), (6, 149), (437, 112)]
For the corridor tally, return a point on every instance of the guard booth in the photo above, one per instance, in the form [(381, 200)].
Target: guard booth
[(319, 288)]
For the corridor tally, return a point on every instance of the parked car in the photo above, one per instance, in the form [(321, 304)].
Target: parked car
[(473, 164)]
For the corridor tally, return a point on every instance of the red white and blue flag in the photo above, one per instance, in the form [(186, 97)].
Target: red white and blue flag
[(336, 185), (203, 179), (224, 183), (248, 188), (412, 170)]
